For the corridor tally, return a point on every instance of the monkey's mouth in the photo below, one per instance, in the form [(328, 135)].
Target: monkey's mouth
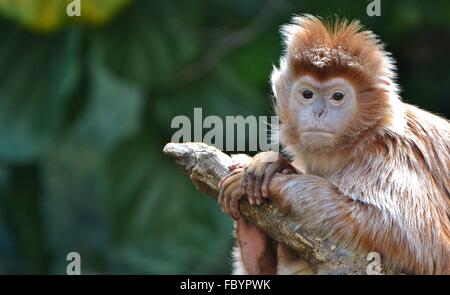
[(316, 131)]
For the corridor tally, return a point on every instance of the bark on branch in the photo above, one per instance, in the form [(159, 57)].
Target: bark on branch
[(206, 165)]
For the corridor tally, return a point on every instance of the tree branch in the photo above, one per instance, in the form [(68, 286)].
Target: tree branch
[(206, 165)]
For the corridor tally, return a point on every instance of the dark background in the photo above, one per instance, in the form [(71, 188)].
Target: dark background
[(86, 105)]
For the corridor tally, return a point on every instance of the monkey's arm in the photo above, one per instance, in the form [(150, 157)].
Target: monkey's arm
[(319, 206)]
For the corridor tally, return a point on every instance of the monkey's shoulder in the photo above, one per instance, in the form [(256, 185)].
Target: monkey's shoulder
[(413, 161), (426, 126)]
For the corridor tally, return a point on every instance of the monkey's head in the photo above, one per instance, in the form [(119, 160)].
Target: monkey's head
[(334, 83)]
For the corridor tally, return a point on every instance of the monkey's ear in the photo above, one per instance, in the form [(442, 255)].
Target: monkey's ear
[(280, 81)]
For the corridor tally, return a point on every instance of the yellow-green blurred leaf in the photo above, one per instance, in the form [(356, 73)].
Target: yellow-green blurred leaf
[(49, 15)]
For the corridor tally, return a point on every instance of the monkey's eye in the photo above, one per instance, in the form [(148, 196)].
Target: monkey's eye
[(307, 94), (337, 96)]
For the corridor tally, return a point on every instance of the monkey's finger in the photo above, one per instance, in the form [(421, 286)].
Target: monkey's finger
[(257, 188), (270, 171), (249, 189), (224, 191), (234, 172), (235, 166), (243, 185), (234, 206), (232, 177), (232, 193), (244, 181), (222, 179), (249, 185)]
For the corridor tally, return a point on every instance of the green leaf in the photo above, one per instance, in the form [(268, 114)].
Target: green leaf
[(113, 112), (49, 15), (37, 76)]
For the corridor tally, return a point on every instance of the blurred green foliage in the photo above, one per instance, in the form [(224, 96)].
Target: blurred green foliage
[(49, 15), (85, 111)]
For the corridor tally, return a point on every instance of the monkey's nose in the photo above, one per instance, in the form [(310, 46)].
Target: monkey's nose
[(319, 113)]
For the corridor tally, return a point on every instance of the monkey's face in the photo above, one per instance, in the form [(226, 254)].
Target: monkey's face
[(322, 110)]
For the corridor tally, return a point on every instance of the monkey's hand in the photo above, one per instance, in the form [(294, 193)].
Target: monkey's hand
[(230, 192), (259, 172), (251, 179)]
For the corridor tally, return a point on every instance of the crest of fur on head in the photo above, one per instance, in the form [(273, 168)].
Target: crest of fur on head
[(337, 48)]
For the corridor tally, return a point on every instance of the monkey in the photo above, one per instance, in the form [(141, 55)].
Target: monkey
[(363, 168)]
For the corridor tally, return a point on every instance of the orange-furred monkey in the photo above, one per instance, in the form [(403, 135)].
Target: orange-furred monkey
[(370, 172)]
